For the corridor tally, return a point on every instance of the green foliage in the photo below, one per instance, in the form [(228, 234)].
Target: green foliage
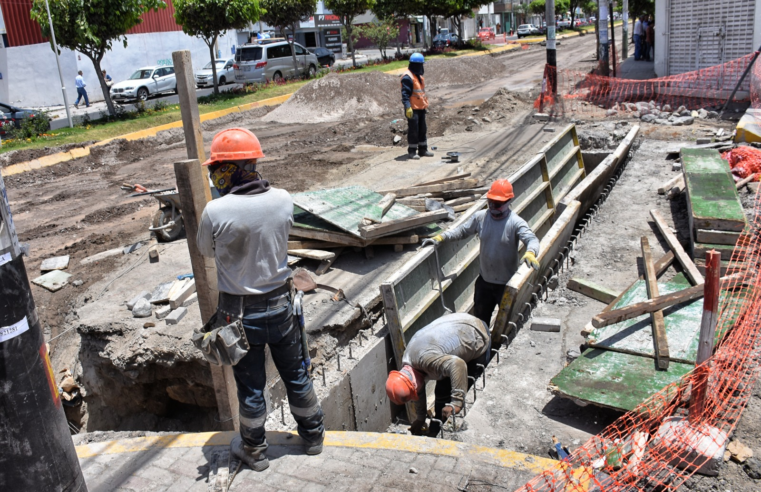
[(92, 26), (381, 32), (397, 8), (348, 10), (641, 7), (537, 7), (286, 14), (208, 19), (31, 128)]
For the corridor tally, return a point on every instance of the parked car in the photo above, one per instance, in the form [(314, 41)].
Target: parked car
[(486, 33), (564, 24), (441, 41), (225, 73), (145, 82), (257, 63), (325, 57), (11, 116), (526, 30)]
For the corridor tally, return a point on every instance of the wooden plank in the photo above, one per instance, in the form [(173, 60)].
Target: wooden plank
[(591, 289), (725, 267), (461, 200), (332, 237), (392, 226), (660, 342), (397, 240), (444, 180), (326, 264), (178, 297), (701, 249), (375, 214), (689, 267), (666, 187), (463, 207), (313, 245), (313, 254), (448, 195), (745, 181), (717, 237), (453, 185), (191, 118)]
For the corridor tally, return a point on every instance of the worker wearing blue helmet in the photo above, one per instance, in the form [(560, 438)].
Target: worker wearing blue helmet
[(415, 105)]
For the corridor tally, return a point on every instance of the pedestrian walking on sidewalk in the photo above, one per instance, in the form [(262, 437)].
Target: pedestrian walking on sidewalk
[(447, 351), (499, 230), (415, 106), (79, 82), (246, 232)]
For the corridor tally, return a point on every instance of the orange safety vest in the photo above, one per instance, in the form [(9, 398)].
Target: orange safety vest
[(418, 99)]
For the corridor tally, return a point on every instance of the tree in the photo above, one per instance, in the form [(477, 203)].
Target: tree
[(537, 7), (381, 33), (208, 19), (584, 5), (286, 14), (397, 9), (348, 10), (91, 27)]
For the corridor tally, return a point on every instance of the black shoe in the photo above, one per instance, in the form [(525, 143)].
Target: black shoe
[(426, 153), (254, 457), (413, 156)]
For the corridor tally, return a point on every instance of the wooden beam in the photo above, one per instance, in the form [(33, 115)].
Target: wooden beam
[(745, 181), (666, 187), (397, 240), (331, 237), (386, 203), (710, 308), (444, 180), (591, 289), (313, 254), (194, 194), (191, 119), (646, 307), (453, 185), (386, 228), (461, 200), (689, 267), (717, 237), (463, 207), (313, 245), (326, 264), (660, 340)]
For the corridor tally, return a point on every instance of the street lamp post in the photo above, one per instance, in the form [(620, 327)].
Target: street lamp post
[(58, 62)]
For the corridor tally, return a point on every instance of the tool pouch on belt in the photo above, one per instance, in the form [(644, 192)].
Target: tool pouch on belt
[(223, 339)]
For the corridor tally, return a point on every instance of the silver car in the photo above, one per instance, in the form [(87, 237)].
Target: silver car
[(262, 63), (225, 73), (526, 30), (146, 81)]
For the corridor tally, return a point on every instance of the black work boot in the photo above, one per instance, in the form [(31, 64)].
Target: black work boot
[(424, 152), (253, 456), (313, 448)]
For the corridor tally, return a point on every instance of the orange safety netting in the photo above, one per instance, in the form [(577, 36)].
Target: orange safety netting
[(706, 88), (743, 161), (675, 432)]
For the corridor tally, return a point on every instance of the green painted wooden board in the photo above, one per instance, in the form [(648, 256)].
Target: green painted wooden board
[(305, 220), (346, 207), (711, 191), (635, 336), (615, 380)]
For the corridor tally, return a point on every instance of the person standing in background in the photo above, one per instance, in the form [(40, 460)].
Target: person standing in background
[(637, 38), (649, 38), (108, 79), (79, 82)]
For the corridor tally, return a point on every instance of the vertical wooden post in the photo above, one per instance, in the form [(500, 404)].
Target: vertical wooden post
[(191, 118), (710, 306), (660, 341), (707, 335), (193, 188)]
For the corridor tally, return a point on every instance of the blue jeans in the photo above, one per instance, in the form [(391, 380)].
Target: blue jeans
[(81, 92), (637, 47), (278, 328)]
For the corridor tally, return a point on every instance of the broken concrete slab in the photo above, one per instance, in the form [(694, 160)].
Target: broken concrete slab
[(162, 311), (55, 263), (143, 295), (53, 281), (161, 292), (132, 247), (175, 316), (142, 309), (100, 256), (192, 299), (545, 324)]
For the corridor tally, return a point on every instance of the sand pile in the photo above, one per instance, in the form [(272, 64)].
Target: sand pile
[(505, 101), (341, 97), (461, 70)]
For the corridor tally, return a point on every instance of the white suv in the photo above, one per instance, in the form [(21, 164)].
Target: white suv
[(145, 82)]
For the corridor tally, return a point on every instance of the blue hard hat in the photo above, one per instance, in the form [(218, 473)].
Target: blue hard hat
[(417, 58)]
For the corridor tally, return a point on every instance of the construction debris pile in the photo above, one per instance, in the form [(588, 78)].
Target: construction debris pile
[(662, 115), (170, 300)]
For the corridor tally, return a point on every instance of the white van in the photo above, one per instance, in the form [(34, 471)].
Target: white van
[(262, 63)]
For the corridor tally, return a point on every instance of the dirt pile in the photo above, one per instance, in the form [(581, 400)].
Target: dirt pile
[(505, 101), (462, 70), (340, 97)]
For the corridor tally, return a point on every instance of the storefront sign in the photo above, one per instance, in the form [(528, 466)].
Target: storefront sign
[(327, 20)]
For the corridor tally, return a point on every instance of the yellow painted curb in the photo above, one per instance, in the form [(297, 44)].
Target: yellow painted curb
[(356, 440)]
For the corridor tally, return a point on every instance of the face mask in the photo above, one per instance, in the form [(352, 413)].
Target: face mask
[(225, 176), (499, 210)]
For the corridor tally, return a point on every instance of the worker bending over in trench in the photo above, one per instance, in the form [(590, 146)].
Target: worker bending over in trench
[(499, 230), (448, 351), (415, 105), (246, 232)]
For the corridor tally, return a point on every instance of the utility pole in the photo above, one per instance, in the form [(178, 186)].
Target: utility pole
[(58, 62), (38, 453), (552, 57), (612, 50), (625, 41), (602, 18)]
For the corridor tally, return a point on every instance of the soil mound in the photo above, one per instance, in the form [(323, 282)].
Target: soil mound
[(505, 101), (461, 70), (340, 97)]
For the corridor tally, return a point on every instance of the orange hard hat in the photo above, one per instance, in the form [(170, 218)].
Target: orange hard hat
[(500, 191), (400, 389), (234, 144)]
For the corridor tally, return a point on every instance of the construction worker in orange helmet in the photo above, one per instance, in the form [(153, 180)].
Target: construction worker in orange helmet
[(246, 232), (449, 350), (499, 230)]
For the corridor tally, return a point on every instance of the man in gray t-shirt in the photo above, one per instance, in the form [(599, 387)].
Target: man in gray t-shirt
[(499, 230), (246, 232)]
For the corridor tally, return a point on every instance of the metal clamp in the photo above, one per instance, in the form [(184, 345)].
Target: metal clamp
[(438, 278)]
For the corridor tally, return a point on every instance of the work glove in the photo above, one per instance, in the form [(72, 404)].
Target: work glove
[(433, 241), (418, 428), (447, 412), (408, 113), (530, 260)]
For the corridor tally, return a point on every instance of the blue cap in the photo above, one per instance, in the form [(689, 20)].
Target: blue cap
[(417, 58)]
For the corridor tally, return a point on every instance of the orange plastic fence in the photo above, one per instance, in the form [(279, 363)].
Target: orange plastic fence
[(668, 438), (744, 161), (706, 88)]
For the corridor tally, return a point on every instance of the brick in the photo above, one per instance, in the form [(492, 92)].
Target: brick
[(162, 311), (545, 324), (175, 316), (542, 117), (370, 459), (192, 299)]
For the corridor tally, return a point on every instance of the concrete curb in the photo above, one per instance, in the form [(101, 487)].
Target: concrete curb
[(356, 440)]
